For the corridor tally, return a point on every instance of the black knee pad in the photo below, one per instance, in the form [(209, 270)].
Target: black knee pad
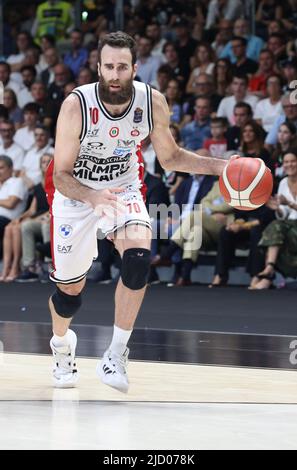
[(66, 305), (135, 268)]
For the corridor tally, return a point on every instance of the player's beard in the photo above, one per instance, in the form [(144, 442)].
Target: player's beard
[(121, 96)]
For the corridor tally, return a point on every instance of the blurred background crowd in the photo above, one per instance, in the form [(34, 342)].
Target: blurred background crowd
[(228, 70)]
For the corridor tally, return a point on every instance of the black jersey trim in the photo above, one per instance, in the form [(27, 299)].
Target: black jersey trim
[(83, 105), (104, 110), (149, 107)]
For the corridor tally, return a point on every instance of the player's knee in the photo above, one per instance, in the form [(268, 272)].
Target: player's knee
[(135, 268), (66, 305)]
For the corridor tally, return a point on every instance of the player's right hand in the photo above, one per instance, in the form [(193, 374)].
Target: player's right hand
[(106, 202)]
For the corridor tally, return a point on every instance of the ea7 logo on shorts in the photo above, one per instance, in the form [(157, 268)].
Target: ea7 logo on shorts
[(64, 249), (65, 230)]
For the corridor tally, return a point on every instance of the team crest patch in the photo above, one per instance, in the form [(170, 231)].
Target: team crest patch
[(138, 112), (65, 230), (114, 132)]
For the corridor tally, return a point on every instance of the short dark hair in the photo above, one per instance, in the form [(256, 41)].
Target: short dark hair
[(243, 104), (31, 108), (6, 160), (241, 39), (222, 121), (31, 69), (119, 40), (240, 76)]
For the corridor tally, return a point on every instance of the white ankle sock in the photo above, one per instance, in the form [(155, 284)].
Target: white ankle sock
[(119, 340), (61, 340)]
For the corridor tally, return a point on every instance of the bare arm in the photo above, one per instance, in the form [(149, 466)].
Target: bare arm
[(10, 202), (171, 156), (66, 151)]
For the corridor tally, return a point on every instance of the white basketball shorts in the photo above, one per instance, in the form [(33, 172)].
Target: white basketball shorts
[(74, 227)]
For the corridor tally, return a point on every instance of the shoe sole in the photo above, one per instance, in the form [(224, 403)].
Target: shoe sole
[(103, 377)]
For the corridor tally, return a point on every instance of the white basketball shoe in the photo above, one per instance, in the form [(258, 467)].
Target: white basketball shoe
[(112, 370), (65, 373)]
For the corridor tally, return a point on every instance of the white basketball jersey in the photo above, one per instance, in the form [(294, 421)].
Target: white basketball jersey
[(110, 151)]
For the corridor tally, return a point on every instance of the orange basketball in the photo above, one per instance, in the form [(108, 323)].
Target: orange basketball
[(246, 183)]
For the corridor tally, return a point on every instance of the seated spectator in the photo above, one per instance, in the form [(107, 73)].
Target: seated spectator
[(173, 95), (8, 146), (12, 242), (267, 11), (48, 109), (28, 73), (92, 64), (154, 31), (289, 71), (280, 236), (23, 42), (15, 113), (258, 82), (254, 43), (186, 44), (31, 172), (215, 214), (51, 57), (252, 143), (194, 133), (245, 230), (85, 76), (242, 114), (5, 78), (22, 234), (203, 62), (24, 136), (56, 89), (47, 41), (204, 86), (242, 64), (13, 196), (180, 70), (223, 77), (289, 115), (239, 90), (164, 74), (286, 139), (277, 45), (77, 57), (268, 109), (147, 64), (223, 36), (217, 144)]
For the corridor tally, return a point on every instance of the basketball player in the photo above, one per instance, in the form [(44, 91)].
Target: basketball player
[(98, 179)]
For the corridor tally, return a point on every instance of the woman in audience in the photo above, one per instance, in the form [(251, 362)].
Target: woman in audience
[(286, 139), (203, 62), (173, 94), (11, 104), (252, 143), (280, 236), (37, 213), (222, 73)]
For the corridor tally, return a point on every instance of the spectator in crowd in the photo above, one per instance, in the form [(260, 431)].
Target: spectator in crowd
[(254, 43), (13, 196), (203, 63), (194, 229), (252, 143), (222, 37), (9, 148), (48, 109), (92, 63), (28, 73), (53, 17), (286, 139), (23, 42), (194, 133), (31, 172), (289, 114), (154, 32), (227, 9), (242, 64), (47, 41), (223, 77), (51, 57), (173, 95), (186, 45), (217, 144), (14, 112), (279, 238), (85, 76), (24, 136), (239, 90), (244, 231), (147, 64), (277, 45), (267, 11), (257, 83), (77, 57), (180, 70), (268, 109), (56, 89), (5, 78), (68, 88), (289, 70), (164, 74), (12, 242), (242, 114)]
